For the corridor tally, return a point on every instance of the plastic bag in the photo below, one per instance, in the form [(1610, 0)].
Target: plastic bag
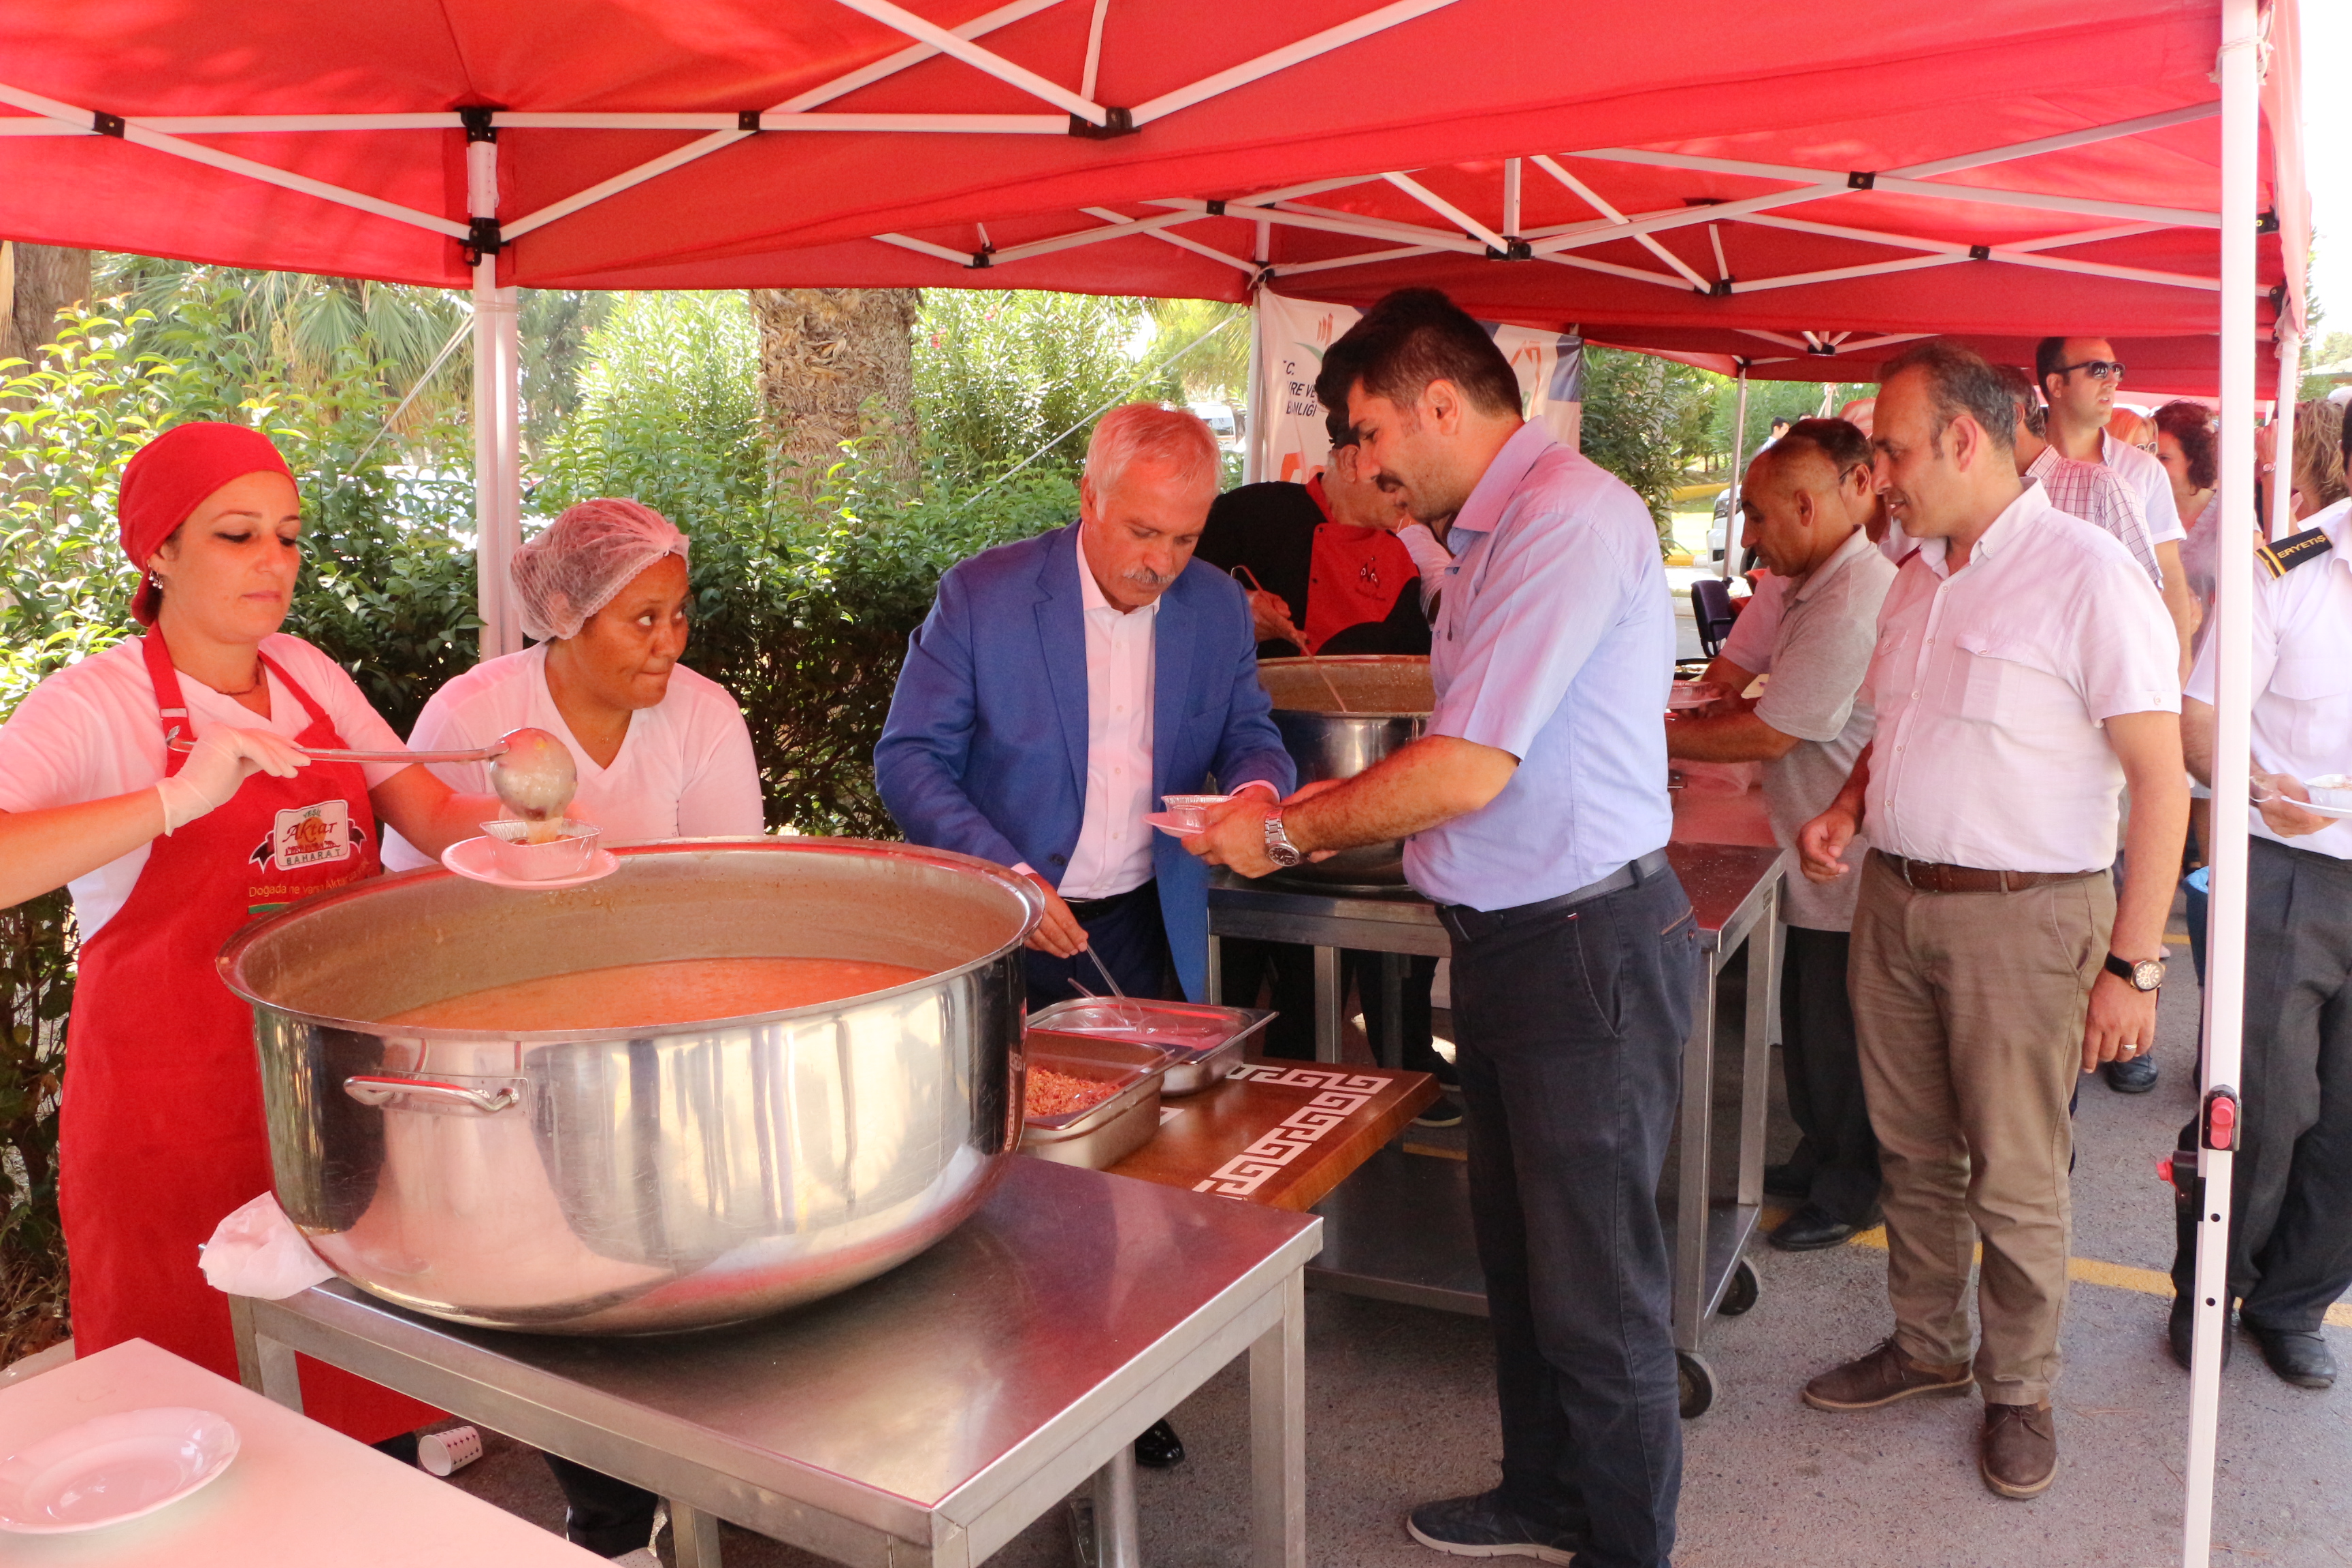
[(256, 1251)]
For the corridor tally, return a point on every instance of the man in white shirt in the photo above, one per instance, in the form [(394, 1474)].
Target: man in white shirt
[(2078, 377), (1062, 685), (2291, 1193), (2023, 676), (1807, 501)]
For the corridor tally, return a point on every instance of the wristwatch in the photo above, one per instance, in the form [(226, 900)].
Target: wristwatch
[(2144, 973), (1278, 846)]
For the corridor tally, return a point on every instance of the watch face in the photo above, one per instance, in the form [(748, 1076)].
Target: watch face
[(2148, 973)]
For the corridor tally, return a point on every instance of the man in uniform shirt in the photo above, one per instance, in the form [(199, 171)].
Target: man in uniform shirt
[(1537, 818), (2291, 1195), (2078, 378), (1807, 501), (2024, 675)]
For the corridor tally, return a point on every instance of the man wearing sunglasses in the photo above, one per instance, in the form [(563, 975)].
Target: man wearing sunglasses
[(2079, 378)]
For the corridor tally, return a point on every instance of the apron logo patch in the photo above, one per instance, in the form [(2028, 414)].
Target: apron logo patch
[(307, 836)]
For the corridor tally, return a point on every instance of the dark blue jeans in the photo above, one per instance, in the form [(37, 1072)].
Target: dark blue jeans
[(1570, 1028)]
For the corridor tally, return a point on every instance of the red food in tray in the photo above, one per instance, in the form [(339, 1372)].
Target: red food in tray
[(1055, 1093)]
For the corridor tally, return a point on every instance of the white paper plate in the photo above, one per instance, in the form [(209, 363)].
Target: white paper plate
[(2340, 813), (113, 1469), (471, 858), (1168, 822)]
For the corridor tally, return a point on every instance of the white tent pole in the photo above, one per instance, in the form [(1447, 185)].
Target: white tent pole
[(1254, 444), (2281, 494), (2225, 943), (497, 420), (1739, 442)]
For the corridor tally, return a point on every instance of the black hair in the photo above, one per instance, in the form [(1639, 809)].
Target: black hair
[(1410, 338), (1960, 380), (1336, 426), (1779, 421), (1843, 442)]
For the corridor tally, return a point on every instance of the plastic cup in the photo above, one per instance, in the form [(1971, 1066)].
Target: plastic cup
[(443, 1453)]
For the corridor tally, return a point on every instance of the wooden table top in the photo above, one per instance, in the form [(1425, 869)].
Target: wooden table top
[(1281, 1133)]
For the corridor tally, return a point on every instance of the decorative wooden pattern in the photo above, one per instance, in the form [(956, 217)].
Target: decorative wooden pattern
[(1280, 1133)]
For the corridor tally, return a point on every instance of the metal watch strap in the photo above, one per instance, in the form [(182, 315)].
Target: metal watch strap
[(1278, 846)]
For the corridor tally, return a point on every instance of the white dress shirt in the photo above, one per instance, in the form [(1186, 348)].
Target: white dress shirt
[(2098, 495), (2149, 481), (1114, 849), (1992, 684), (2302, 675)]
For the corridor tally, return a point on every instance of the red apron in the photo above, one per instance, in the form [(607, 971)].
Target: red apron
[(162, 1131), (1353, 575)]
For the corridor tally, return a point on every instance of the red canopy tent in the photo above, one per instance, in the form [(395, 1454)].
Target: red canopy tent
[(1720, 181)]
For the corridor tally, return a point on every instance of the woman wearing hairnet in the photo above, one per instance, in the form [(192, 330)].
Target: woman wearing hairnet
[(662, 752)]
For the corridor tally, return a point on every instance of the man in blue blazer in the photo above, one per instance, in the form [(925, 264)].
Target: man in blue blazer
[(1062, 685)]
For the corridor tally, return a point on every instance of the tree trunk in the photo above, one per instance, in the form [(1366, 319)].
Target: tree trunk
[(35, 282), (838, 364)]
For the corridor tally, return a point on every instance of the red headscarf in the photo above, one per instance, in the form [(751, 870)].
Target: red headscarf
[(167, 479)]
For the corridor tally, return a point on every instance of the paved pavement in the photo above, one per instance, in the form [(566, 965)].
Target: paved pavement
[(1401, 1409)]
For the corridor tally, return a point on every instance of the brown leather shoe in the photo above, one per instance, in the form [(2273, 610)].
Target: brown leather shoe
[(2020, 1458), (1882, 1377)]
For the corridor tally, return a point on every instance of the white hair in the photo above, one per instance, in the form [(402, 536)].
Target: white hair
[(1154, 433)]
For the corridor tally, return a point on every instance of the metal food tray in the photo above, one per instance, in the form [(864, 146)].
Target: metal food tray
[(1103, 1134), (1203, 1043)]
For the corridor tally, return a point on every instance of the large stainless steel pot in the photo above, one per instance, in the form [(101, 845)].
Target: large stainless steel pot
[(635, 1181), (1388, 702)]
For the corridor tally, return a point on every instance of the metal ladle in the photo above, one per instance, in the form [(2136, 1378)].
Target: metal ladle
[(1242, 574), (533, 774)]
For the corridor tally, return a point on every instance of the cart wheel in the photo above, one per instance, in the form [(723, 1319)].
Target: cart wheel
[(1741, 1293), (1697, 1380)]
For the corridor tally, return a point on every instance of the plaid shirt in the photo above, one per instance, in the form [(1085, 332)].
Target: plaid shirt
[(2093, 493)]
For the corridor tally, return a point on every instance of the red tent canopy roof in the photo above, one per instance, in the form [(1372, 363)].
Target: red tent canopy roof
[(867, 129)]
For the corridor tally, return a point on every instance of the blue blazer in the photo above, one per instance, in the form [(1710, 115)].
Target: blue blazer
[(985, 749)]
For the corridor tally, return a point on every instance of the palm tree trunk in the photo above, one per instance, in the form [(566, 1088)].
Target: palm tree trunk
[(36, 281), (835, 365)]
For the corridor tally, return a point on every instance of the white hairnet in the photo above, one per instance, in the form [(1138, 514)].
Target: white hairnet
[(578, 562)]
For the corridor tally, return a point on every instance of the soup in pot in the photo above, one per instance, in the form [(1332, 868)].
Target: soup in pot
[(677, 991)]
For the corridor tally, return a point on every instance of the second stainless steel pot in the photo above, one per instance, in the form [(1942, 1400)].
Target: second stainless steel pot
[(1389, 698)]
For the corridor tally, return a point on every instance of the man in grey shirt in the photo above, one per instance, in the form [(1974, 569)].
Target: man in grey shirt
[(1806, 502)]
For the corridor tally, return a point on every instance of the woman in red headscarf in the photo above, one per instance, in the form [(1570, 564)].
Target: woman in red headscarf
[(167, 854)]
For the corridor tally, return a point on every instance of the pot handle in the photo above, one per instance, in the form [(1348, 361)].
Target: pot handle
[(372, 1090)]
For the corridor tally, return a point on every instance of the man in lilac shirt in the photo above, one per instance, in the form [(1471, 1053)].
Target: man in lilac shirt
[(1536, 815)]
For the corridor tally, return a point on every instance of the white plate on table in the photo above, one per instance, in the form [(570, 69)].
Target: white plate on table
[(113, 1469), (471, 858)]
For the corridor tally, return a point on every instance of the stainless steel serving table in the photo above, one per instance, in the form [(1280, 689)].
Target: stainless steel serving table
[(1400, 1227), (925, 1417)]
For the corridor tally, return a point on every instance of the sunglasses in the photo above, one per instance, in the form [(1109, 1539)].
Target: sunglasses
[(2100, 369)]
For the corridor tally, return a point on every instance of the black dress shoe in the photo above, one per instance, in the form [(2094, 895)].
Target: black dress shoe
[(1787, 1182), (1160, 1449), (2134, 1074), (1811, 1228), (2181, 1332), (2299, 1355)]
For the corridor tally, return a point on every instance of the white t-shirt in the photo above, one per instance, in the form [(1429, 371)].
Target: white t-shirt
[(95, 731), (684, 768), (2149, 481)]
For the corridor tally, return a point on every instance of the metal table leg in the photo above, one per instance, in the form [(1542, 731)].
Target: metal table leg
[(1117, 1530), (693, 1535), (1329, 1003), (1278, 1436), (264, 1365), (1764, 950)]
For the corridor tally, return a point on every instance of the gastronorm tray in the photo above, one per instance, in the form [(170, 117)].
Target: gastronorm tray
[(1101, 1134), (1204, 1043)]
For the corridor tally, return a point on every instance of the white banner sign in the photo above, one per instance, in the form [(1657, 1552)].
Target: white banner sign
[(1289, 419)]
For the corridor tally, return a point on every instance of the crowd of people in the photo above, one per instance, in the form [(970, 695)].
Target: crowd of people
[(1975, 673)]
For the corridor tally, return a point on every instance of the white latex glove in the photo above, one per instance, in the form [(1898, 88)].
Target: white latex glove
[(223, 759)]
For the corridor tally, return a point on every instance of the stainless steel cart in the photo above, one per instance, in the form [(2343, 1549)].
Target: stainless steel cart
[(1400, 1227)]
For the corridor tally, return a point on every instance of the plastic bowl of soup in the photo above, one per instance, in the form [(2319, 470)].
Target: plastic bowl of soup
[(516, 857), (2331, 790)]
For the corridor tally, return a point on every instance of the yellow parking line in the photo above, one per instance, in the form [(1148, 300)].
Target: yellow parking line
[(2089, 1270)]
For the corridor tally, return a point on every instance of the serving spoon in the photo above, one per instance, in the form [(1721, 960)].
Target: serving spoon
[(336, 755), (530, 770)]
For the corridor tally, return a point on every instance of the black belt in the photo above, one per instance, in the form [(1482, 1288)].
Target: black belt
[(1466, 924), (1086, 909)]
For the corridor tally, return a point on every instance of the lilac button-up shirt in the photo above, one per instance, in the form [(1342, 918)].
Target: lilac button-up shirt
[(1555, 642)]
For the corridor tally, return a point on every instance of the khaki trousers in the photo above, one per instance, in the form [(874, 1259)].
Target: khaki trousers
[(1970, 1008)]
